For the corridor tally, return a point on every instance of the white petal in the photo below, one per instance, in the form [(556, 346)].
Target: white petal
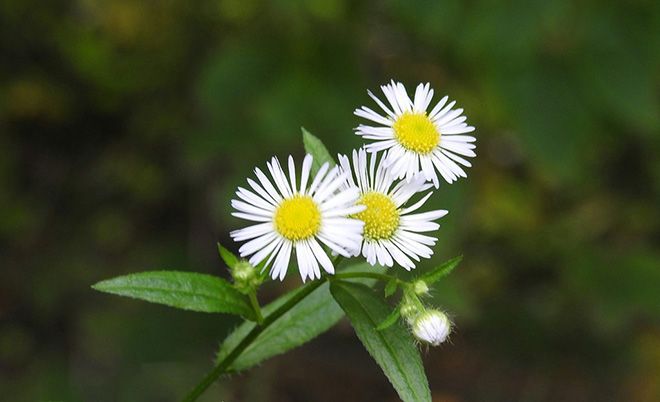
[(266, 251), (251, 217), (266, 183), (437, 107), (281, 264), (382, 105), (447, 117), (458, 148), (250, 209), (457, 158), (304, 266), (457, 130), (333, 246), (251, 232), (399, 256), (416, 205), (369, 114), (279, 177), (321, 256), (344, 198), (319, 177), (304, 175), (442, 112), (252, 246), (252, 198)]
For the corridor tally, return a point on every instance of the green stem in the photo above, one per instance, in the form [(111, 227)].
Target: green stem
[(223, 365), (410, 296), (375, 275), (255, 306)]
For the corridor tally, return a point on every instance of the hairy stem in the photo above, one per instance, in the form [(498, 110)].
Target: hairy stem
[(255, 306), (375, 275), (223, 365)]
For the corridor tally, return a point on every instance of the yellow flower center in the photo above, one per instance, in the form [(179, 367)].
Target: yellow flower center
[(381, 218), (298, 218), (416, 132)]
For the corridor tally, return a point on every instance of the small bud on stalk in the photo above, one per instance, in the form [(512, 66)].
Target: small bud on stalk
[(246, 277), (420, 287), (409, 311)]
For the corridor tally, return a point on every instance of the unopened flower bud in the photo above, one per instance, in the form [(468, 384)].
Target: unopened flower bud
[(245, 276), (432, 327), (409, 311), (420, 287)]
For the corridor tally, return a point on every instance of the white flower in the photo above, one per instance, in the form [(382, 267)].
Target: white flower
[(391, 231), (291, 217), (417, 140), (432, 326)]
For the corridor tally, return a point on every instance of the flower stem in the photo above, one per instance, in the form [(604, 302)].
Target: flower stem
[(255, 306), (375, 275), (223, 365)]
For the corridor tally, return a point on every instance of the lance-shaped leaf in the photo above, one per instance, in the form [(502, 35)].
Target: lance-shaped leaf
[(184, 290), (392, 348), (441, 270), (390, 319), (312, 316), (315, 147), (315, 314), (227, 256)]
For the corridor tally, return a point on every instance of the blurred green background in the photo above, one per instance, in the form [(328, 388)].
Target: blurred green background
[(125, 126)]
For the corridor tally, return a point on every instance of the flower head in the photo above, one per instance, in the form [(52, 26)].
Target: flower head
[(432, 326), (418, 140), (292, 217), (391, 230)]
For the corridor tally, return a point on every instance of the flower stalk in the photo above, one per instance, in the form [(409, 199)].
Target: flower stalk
[(222, 366), (254, 302)]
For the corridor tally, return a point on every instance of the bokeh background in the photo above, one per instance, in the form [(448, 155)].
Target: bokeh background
[(126, 125)]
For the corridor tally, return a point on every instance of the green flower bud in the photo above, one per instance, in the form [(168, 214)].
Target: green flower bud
[(420, 287), (409, 311), (246, 277)]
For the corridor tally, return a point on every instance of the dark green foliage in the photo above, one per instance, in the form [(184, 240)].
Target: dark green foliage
[(393, 347), (439, 272), (313, 316), (184, 290), (392, 318)]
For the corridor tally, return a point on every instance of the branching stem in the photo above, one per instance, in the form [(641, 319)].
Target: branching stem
[(222, 366)]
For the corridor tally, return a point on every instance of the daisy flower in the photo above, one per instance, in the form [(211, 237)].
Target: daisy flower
[(391, 231), (291, 217), (418, 140)]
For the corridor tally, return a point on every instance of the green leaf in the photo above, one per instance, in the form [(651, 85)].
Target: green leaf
[(390, 320), (184, 290), (314, 315), (391, 287), (315, 147), (392, 348), (227, 256), (440, 271)]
